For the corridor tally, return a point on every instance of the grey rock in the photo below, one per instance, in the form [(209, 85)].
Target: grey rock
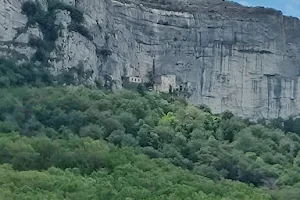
[(11, 19), (63, 18), (32, 32), (235, 58)]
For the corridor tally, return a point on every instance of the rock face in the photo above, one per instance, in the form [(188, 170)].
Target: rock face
[(235, 58)]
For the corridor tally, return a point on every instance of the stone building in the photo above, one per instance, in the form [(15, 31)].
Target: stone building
[(134, 79), (165, 83)]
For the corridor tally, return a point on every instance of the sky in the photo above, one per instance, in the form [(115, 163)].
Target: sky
[(288, 7)]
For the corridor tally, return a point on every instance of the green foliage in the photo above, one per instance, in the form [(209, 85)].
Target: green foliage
[(36, 42), (29, 8), (168, 120), (188, 137), (85, 168), (46, 22), (12, 74), (297, 161), (141, 89), (205, 108), (216, 147), (227, 115), (291, 125), (29, 73), (103, 52), (76, 15)]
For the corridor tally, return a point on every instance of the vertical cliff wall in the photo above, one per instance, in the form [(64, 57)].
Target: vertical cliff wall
[(235, 58)]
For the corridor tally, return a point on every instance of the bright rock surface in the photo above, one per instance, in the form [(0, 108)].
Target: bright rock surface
[(235, 58)]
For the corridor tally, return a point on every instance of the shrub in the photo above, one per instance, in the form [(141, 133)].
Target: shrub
[(12, 74), (80, 29), (48, 27), (40, 55), (205, 108), (67, 77), (75, 14), (29, 8), (36, 42), (103, 52)]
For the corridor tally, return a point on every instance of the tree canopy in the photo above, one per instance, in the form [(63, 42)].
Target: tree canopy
[(137, 147)]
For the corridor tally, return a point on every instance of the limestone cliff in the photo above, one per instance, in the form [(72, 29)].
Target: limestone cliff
[(235, 58)]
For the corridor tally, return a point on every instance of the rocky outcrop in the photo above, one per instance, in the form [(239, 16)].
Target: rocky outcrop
[(235, 58)]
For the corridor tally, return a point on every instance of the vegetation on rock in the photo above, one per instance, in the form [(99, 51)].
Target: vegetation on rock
[(46, 21)]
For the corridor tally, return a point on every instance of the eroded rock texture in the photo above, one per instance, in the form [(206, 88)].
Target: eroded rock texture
[(235, 58)]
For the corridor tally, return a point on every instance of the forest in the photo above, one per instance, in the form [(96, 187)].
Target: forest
[(75, 142)]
